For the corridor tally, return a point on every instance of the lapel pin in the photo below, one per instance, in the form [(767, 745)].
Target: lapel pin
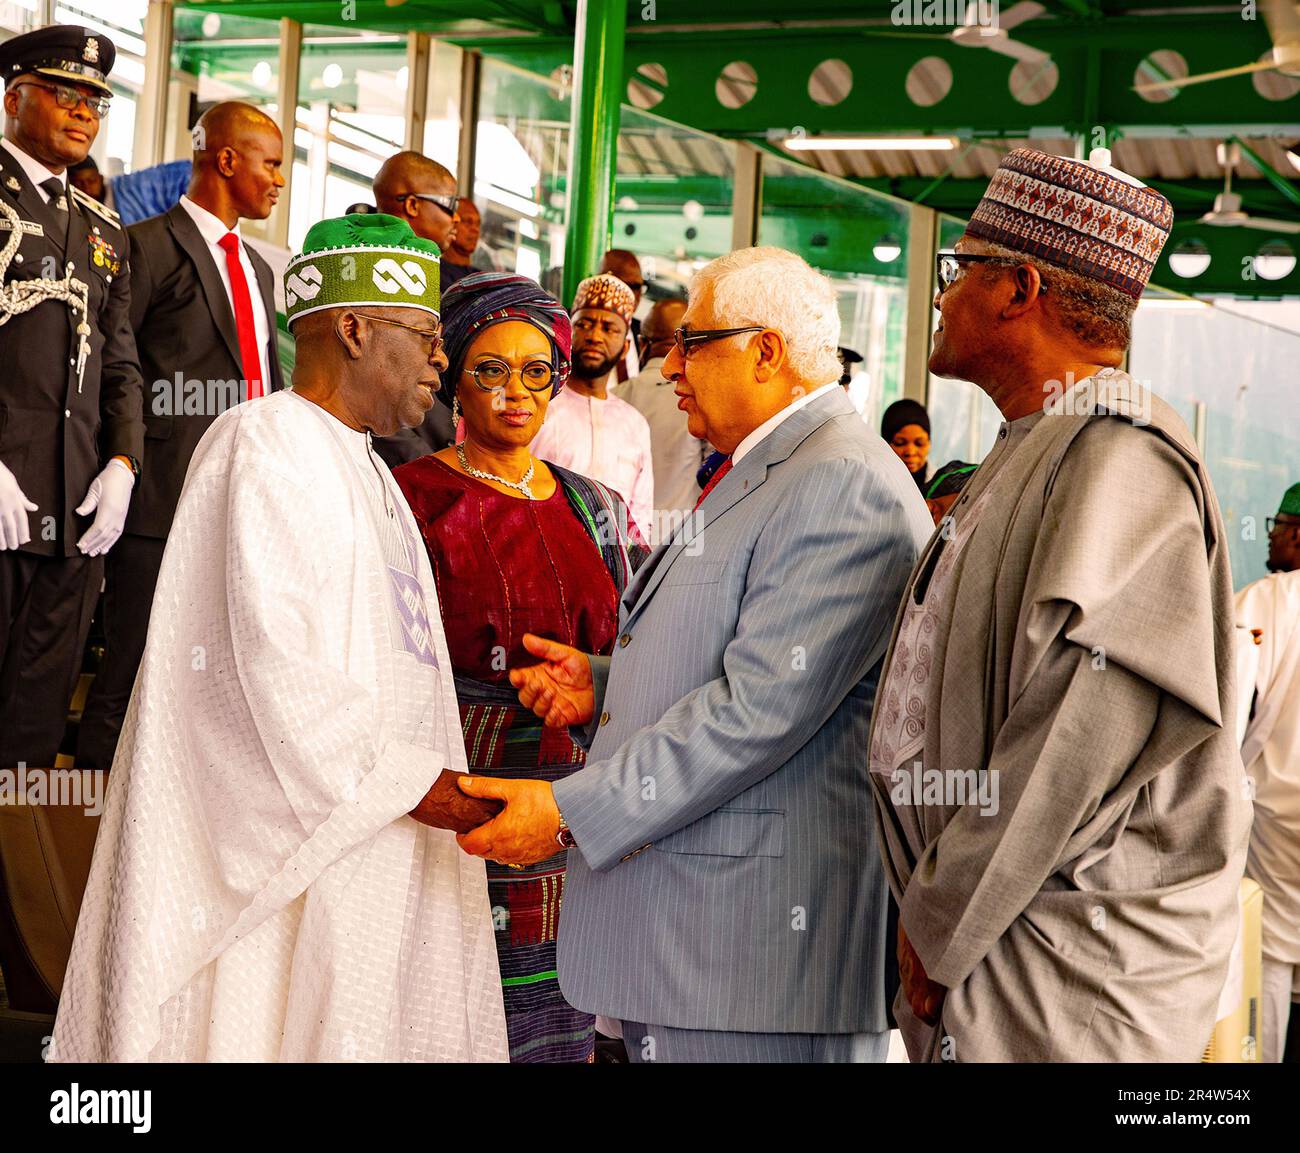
[(11, 183)]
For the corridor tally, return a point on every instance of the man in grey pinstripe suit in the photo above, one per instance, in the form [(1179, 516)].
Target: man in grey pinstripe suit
[(725, 894)]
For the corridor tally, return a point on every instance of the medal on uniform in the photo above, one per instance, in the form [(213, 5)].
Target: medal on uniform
[(103, 254)]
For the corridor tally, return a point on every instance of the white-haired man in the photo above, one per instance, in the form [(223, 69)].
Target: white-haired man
[(725, 901)]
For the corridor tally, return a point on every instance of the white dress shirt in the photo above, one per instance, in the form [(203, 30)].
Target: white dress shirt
[(675, 453), (607, 440), (212, 229), (771, 422), (32, 168)]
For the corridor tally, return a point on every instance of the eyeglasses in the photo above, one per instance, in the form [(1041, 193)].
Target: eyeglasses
[(1272, 524), (947, 266), (433, 335), (494, 375), (685, 339), (447, 203), (67, 97)]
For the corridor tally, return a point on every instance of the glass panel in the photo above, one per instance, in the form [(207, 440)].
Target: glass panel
[(442, 108), (1238, 359), (859, 239), (351, 118), (123, 22), (522, 157), (673, 194), (216, 58)]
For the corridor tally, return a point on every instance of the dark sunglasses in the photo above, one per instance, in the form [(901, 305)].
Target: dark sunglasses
[(447, 203), (947, 266), (67, 97), (685, 339)]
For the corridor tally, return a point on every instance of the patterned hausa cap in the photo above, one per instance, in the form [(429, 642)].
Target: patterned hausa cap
[(362, 261), (606, 291), (1082, 215)]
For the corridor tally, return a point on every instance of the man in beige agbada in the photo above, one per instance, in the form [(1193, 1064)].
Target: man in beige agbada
[(1062, 807)]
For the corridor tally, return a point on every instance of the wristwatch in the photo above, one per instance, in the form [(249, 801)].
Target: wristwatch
[(131, 462), (564, 837)]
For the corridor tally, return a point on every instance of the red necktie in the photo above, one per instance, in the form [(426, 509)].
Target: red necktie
[(244, 326), (723, 469)]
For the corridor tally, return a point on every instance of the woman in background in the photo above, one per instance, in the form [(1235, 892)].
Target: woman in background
[(906, 429)]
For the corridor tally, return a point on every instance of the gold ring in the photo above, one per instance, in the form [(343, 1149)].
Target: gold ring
[(515, 867)]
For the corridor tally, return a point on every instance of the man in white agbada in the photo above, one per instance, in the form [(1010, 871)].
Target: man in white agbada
[(259, 891), (1271, 753)]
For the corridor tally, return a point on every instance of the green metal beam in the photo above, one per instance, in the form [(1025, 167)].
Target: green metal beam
[(1097, 60), (1271, 174), (593, 137)]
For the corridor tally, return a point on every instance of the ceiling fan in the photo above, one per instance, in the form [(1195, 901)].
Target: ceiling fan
[(1227, 212), (972, 34), (1283, 20)]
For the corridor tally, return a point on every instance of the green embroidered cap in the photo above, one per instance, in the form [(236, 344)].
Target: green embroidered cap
[(363, 260), (1290, 505)]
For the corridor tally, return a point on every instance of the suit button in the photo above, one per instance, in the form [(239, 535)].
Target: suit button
[(604, 718), (68, 413), (625, 640)]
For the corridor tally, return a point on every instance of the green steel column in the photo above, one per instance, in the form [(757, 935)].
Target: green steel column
[(593, 137)]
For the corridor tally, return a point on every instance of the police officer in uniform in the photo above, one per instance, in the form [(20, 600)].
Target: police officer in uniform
[(71, 420)]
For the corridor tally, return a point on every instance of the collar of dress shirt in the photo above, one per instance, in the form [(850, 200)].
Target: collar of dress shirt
[(211, 228), (32, 168), (769, 425)]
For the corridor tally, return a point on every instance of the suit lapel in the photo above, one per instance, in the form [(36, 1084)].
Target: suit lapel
[(78, 250), (744, 479), (195, 247), (266, 282)]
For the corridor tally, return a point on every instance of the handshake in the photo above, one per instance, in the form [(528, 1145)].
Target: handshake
[(516, 822)]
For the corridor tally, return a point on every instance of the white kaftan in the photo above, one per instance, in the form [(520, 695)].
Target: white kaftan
[(258, 891), (1271, 752)]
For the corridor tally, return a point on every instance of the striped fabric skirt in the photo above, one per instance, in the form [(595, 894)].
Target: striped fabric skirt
[(504, 740)]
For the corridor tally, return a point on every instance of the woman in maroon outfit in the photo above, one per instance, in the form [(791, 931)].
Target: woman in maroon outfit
[(517, 546)]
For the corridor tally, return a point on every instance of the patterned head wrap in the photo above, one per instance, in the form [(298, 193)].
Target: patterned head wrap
[(607, 292), (1083, 216), (486, 298)]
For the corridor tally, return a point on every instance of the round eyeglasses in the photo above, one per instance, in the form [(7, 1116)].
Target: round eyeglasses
[(493, 375)]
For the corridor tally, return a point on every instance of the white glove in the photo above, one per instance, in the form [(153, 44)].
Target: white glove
[(14, 507), (110, 493)]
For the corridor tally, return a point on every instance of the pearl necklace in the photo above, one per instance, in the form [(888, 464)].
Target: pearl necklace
[(520, 485)]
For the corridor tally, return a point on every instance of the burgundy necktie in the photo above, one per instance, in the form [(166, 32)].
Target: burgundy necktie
[(723, 469), (244, 326)]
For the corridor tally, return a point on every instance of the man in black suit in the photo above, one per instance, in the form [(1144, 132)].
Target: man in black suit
[(419, 190), (71, 434), (203, 308)]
